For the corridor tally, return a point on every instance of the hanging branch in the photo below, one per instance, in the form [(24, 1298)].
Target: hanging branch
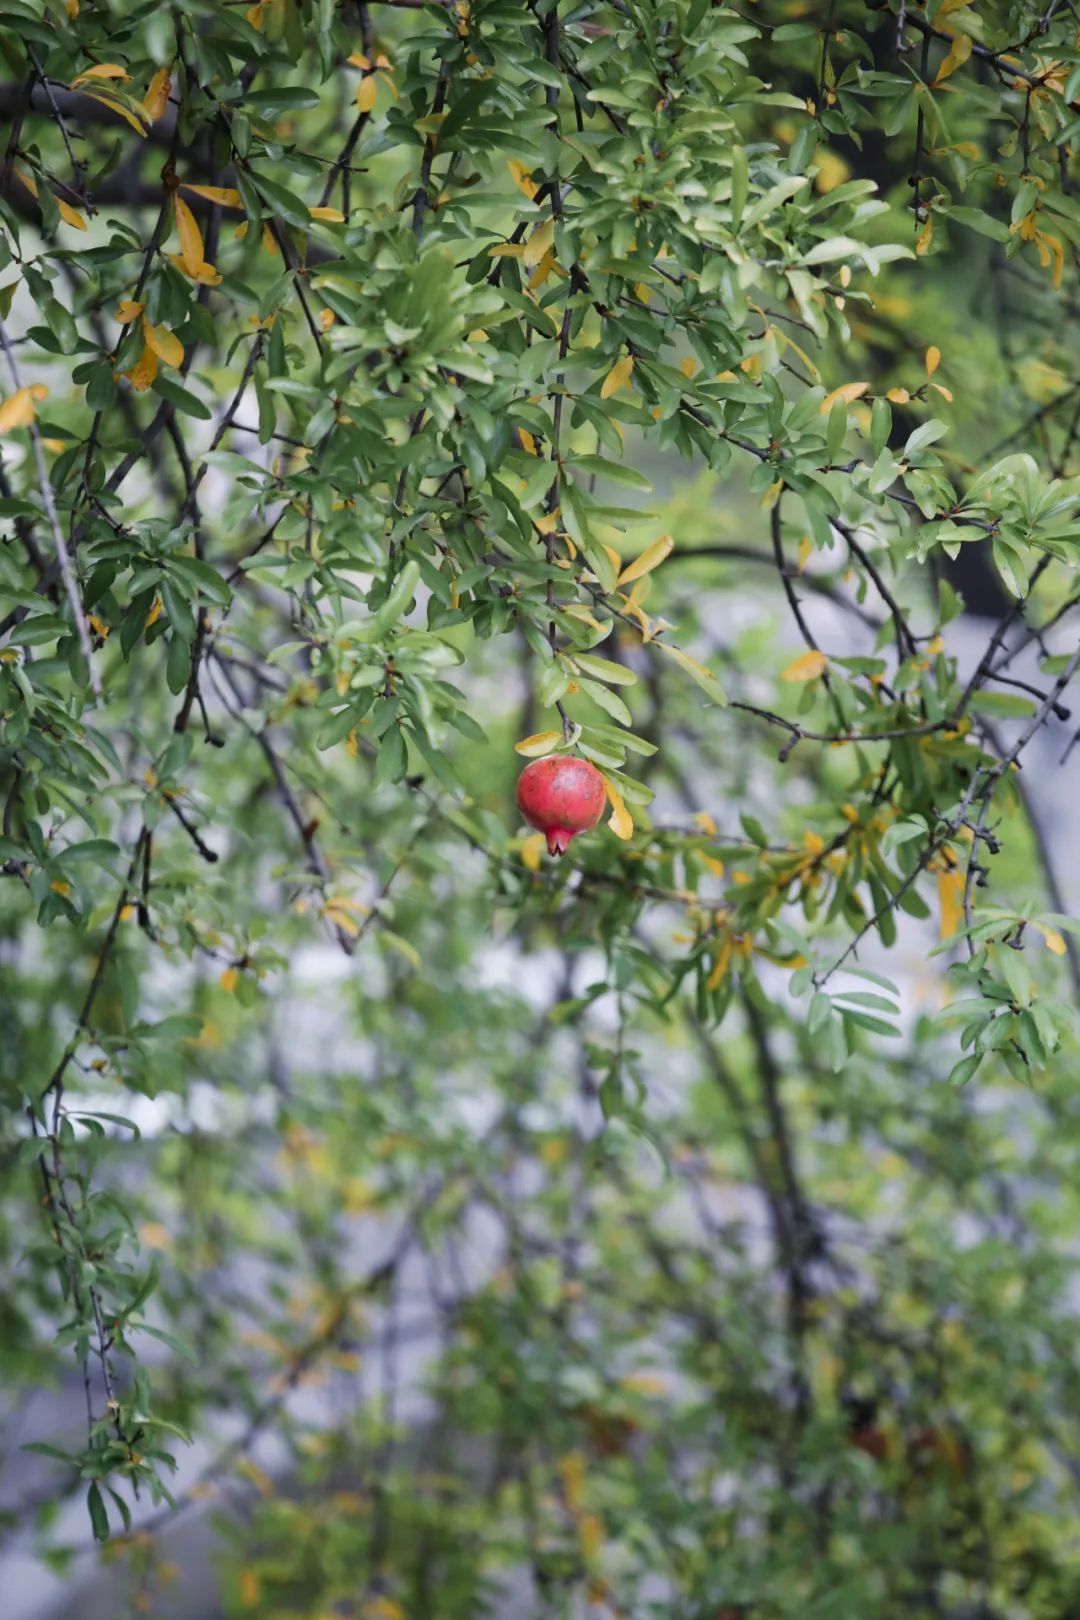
[(63, 556)]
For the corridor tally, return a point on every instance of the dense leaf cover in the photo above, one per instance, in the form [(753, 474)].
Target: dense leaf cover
[(387, 387)]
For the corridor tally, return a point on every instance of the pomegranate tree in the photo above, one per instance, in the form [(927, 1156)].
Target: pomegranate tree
[(561, 796)]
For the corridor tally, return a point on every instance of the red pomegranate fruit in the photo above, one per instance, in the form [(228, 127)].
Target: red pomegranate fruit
[(561, 796)]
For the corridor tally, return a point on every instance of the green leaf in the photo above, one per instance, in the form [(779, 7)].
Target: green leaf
[(187, 403), (962, 1072), (605, 669), (178, 664), (282, 98), (1006, 705), (99, 1519), (182, 1349), (201, 577), (740, 185), (395, 604), (617, 471), (390, 760)]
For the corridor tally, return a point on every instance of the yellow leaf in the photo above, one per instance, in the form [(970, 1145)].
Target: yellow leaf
[(152, 1235), (831, 171), (618, 377), (229, 979), (17, 411), (345, 902), (69, 215), (156, 98), (925, 237), (688, 365), (702, 819), (366, 92), (645, 1383), (165, 344), (807, 667), (127, 912), (898, 396), (1054, 940), (541, 240), (72, 8), (253, 16), (204, 272), (358, 1196), (507, 250), (191, 242), (848, 392), (1057, 251), (951, 899), (532, 849), (121, 111), (143, 372), (721, 963), (28, 181), (226, 196), (650, 558), (620, 821), (340, 918), (542, 271), (100, 70), (577, 610), (591, 1536), (333, 215), (789, 342), (258, 1476), (692, 665), (519, 174), (528, 443), (326, 319), (382, 1608), (572, 1472), (60, 888), (806, 546), (933, 359), (154, 614), (127, 311), (269, 241), (959, 51), (250, 1588), (541, 742)]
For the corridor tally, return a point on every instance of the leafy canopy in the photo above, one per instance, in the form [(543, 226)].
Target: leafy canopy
[(344, 348)]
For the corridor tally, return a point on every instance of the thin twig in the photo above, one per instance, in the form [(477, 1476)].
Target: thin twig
[(63, 556)]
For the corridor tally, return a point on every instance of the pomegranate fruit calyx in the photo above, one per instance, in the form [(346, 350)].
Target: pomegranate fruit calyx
[(558, 840)]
